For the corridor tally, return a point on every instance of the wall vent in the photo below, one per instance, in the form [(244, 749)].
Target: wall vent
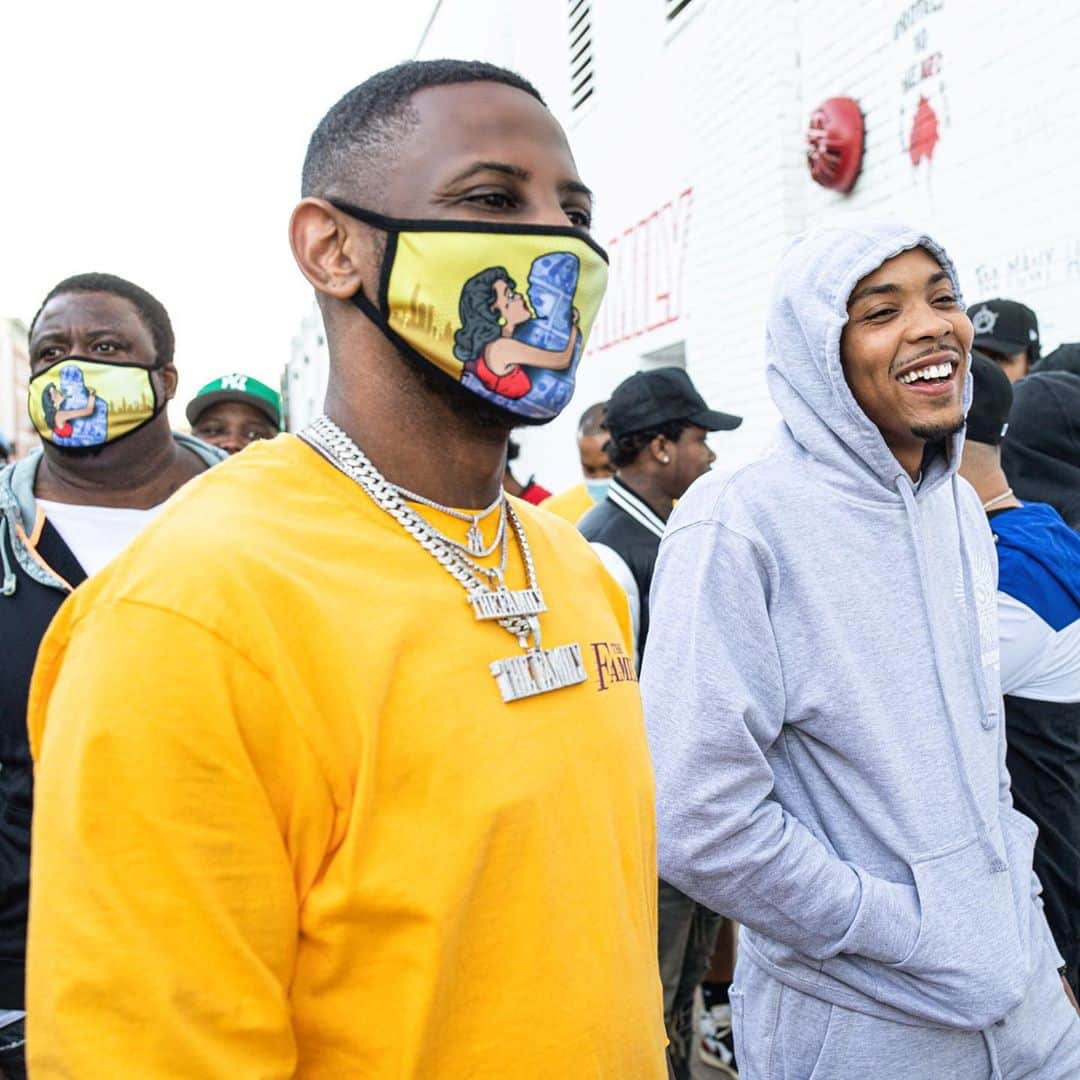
[(581, 53)]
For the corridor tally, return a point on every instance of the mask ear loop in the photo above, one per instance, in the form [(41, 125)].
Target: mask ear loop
[(391, 225), (158, 365), (161, 401)]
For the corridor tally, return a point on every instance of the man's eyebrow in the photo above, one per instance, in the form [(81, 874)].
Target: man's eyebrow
[(48, 335), (874, 290), (889, 290), (96, 331), (577, 187), (516, 171), (492, 166), (63, 335)]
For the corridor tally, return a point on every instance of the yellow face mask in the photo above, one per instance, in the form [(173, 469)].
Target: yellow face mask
[(80, 403), (503, 309)]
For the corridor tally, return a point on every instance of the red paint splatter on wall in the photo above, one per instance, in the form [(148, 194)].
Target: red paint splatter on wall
[(924, 133)]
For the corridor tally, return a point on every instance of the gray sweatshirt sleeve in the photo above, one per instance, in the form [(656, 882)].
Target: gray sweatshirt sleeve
[(714, 703)]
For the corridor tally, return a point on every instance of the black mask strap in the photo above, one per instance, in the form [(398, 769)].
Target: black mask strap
[(392, 226)]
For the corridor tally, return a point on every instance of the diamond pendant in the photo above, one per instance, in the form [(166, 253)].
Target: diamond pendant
[(474, 539), (506, 603), (539, 671)]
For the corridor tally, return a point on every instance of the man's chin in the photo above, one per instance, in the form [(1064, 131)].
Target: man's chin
[(476, 410), (72, 453), (938, 430)]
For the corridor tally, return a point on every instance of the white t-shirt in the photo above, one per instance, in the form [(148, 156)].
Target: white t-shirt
[(1037, 661), (96, 534)]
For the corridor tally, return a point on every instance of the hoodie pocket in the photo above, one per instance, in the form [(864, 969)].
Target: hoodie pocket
[(968, 967), (1019, 834)]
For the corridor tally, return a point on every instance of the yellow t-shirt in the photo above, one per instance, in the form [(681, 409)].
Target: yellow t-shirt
[(286, 826), (572, 504)]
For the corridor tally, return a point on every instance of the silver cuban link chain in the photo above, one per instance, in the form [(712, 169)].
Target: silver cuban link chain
[(539, 670), (474, 539)]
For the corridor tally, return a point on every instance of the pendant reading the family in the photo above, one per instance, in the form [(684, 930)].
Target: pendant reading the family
[(539, 671), (506, 603)]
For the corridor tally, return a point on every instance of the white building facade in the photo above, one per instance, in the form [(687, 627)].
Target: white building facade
[(688, 118), (303, 383), (15, 423)]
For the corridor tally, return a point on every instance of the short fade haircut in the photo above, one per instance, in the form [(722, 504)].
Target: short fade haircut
[(151, 310), (592, 420), (625, 449), (348, 149)]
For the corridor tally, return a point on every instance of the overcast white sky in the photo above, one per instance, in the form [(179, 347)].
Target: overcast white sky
[(163, 143)]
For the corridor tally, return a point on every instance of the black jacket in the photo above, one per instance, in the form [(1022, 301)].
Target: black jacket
[(625, 532), (39, 571), (26, 609)]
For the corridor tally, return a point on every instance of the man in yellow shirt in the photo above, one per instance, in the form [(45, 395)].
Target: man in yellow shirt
[(596, 468), (329, 784)]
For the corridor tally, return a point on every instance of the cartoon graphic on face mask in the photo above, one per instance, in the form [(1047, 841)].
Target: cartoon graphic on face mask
[(83, 404), (511, 346), (73, 411), (448, 295)]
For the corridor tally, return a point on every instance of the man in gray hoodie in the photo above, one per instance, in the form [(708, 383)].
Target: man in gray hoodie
[(824, 706)]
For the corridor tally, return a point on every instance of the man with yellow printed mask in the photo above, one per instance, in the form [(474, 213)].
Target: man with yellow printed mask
[(444, 864), (101, 372)]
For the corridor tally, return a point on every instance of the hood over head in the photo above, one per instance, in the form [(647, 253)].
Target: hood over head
[(1041, 449), (1064, 358), (806, 318)]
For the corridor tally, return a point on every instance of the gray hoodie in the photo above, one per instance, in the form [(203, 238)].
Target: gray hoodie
[(823, 698)]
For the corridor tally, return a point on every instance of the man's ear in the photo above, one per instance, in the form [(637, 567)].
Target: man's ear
[(336, 255), (169, 377), (660, 448)]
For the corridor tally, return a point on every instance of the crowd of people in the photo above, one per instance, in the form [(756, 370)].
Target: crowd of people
[(362, 757)]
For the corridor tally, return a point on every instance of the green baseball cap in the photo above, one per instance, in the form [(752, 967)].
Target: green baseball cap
[(236, 387)]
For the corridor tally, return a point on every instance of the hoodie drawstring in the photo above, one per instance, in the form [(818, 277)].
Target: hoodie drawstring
[(992, 1054), (9, 574), (989, 718), (903, 485)]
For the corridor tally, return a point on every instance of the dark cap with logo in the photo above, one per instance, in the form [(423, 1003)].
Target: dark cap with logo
[(1005, 326), (992, 397), (650, 399)]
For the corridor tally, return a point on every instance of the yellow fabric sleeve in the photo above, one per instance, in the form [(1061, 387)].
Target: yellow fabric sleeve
[(179, 823), (571, 505)]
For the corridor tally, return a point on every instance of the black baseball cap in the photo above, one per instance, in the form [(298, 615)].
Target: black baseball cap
[(1005, 326), (650, 399), (988, 417)]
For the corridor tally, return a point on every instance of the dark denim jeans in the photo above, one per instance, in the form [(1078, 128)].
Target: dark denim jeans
[(687, 934), (13, 1051)]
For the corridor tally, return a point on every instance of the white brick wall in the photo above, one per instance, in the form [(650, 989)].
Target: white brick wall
[(719, 102)]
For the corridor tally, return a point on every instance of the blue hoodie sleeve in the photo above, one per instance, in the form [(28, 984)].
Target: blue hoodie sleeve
[(714, 705)]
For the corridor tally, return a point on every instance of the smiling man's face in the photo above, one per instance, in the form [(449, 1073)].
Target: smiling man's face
[(905, 352)]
